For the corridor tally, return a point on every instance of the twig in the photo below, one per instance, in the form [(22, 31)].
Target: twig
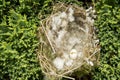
[(48, 39)]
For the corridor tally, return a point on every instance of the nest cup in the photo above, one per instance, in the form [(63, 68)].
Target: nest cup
[(67, 41)]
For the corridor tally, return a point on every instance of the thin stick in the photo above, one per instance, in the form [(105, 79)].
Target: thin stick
[(48, 39), (69, 77)]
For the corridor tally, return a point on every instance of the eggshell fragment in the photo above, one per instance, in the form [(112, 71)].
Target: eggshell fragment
[(73, 54)]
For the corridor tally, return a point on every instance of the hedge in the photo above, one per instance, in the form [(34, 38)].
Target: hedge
[(108, 25), (19, 20)]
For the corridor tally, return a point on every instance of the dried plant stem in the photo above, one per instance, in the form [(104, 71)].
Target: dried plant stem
[(48, 39)]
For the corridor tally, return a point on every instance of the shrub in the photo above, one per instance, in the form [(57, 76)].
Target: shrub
[(108, 24), (18, 41)]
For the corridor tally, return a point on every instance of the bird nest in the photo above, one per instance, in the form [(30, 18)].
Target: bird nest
[(67, 41)]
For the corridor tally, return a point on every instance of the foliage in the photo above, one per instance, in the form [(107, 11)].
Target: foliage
[(19, 20), (108, 24), (18, 40)]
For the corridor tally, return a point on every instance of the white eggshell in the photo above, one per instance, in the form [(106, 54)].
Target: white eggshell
[(59, 63), (73, 54), (69, 63)]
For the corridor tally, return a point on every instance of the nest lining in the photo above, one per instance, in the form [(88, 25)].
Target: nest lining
[(67, 41)]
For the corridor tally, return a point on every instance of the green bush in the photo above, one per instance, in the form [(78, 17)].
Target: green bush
[(19, 20), (108, 24), (18, 40)]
